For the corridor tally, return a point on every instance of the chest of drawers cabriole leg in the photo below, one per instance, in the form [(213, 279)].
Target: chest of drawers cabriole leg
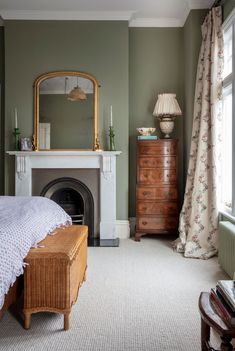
[(156, 189)]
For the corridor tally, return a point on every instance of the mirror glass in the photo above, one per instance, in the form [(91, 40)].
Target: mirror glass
[(66, 111)]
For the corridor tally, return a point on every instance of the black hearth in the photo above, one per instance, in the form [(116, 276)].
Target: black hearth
[(76, 199)]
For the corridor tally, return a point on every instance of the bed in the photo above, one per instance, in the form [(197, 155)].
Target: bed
[(13, 295), (24, 222)]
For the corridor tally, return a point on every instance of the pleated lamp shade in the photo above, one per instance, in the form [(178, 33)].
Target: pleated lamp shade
[(167, 105)]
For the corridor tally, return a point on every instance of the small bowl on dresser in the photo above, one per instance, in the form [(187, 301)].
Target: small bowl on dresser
[(146, 131)]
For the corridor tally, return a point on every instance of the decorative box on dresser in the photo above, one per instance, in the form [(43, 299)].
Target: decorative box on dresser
[(156, 190)]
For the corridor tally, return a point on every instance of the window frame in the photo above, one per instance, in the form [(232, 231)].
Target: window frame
[(230, 80), (227, 92)]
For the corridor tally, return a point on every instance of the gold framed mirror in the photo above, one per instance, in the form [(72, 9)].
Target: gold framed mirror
[(66, 111)]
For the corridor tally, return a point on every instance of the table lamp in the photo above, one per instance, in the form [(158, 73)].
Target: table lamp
[(166, 109)]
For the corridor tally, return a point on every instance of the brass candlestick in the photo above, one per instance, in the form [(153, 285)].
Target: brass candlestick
[(111, 139), (16, 134)]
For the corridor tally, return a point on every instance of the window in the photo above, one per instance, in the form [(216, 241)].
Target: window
[(228, 131), (227, 149), (228, 35)]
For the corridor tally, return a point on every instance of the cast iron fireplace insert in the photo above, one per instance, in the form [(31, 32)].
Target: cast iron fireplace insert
[(76, 199)]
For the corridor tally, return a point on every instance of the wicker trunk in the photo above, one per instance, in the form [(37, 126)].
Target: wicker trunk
[(55, 272)]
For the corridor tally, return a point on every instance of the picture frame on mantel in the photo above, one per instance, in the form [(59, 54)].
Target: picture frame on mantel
[(26, 144)]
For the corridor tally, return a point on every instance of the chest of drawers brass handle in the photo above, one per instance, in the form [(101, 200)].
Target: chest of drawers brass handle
[(144, 223), (145, 193)]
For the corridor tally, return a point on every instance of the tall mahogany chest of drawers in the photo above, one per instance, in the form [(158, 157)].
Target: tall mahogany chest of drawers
[(156, 190)]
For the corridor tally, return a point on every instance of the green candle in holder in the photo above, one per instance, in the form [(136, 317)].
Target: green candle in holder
[(111, 132), (16, 133)]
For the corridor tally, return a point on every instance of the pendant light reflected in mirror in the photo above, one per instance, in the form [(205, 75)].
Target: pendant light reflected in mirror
[(76, 93)]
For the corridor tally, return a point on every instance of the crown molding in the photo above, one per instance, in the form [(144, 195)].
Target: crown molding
[(66, 15), (156, 22), (130, 16), (199, 4), (91, 16)]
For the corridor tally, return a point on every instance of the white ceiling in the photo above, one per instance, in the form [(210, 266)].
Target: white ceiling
[(139, 13)]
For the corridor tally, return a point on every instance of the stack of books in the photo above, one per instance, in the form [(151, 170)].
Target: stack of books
[(147, 137), (222, 299)]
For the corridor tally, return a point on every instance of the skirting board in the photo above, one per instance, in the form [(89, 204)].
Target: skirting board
[(132, 225), (123, 229)]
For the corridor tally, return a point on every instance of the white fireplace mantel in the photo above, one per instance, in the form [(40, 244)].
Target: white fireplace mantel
[(105, 161)]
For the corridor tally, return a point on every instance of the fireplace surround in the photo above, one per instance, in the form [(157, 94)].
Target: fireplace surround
[(103, 161)]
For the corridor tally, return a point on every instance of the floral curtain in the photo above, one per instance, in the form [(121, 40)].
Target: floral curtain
[(198, 225)]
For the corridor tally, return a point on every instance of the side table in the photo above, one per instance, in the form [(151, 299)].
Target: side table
[(210, 319)]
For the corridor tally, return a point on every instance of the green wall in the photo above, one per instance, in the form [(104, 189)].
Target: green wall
[(1, 110), (96, 47), (156, 66), (163, 60), (148, 61), (192, 43), (228, 6)]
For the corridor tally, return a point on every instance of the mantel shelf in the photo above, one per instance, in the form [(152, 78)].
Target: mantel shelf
[(64, 153)]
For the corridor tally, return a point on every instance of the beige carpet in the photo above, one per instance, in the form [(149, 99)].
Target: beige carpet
[(138, 297)]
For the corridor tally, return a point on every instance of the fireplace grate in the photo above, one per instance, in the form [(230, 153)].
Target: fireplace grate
[(75, 198), (77, 219)]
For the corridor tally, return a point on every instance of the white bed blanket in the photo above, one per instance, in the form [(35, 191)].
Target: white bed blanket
[(24, 221)]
